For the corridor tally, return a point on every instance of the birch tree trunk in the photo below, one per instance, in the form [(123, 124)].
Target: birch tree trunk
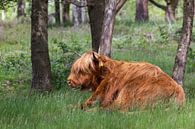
[(3, 15), (170, 11), (77, 15), (112, 8), (181, 57)]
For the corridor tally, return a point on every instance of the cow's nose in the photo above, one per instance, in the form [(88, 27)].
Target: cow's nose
[(69, 82)]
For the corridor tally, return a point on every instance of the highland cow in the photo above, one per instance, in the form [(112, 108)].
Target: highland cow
[(123, 85)]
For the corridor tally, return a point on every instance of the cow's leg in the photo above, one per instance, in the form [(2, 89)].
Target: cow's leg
[(98, 94)]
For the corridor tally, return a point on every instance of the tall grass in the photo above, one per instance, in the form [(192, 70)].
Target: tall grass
[(60, 110)]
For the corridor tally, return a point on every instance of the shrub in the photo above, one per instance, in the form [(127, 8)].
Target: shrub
[(191, 60), (61, 63)]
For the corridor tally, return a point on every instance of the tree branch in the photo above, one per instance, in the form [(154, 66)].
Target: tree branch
[(163, 7), (120, 4), (79, 4)]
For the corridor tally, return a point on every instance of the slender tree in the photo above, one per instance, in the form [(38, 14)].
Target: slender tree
[(41, 69), (21, 8), (84, 15), (3, 15), (169, 8), (77, 15), (141, 10), (112, 7), (57, 11), (181, 56), (170, 11), (66, 12)]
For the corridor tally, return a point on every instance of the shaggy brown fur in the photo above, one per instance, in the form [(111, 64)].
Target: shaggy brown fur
[(122, 84)]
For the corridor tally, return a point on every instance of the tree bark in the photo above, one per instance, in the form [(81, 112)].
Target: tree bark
[(66, 12), (77, 15), (181, 56), (170, 10), (20, 8), (141, 10), (96, 21), (57, 11), (84, 15), (41, 69), (112, 8)]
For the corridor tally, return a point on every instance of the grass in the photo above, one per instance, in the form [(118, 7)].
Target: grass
[(154, 42), (60, 110)]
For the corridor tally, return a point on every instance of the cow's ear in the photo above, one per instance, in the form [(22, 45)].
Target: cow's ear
[(97, 61)]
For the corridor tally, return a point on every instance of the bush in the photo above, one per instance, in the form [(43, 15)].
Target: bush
[(191, 60), (61, 64), (17, 62)]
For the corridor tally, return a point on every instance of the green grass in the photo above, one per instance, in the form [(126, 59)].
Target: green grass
[(154, 42), (60, 110)]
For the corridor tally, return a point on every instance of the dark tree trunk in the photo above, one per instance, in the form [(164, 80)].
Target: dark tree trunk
[(141, 10), (170, 10), (21, 8), (96, 21), (66, 12), (181, 57), (41, 69), (57, 11), (112, 8)]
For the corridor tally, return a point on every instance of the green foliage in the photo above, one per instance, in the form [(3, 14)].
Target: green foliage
[(191, 60), (4, 4), (61, 65), (16, 62), (164, 35)]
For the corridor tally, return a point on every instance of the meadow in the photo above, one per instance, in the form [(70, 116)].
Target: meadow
[(154, 42)]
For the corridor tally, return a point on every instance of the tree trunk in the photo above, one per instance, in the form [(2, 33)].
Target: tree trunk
[(77, 16), (181, 57), (96, 21), (112, 8), (57, 11), (141, 10), (3, 15), (41, 69), (84, 15), (66, 12), (20, 8), (170, 10)]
